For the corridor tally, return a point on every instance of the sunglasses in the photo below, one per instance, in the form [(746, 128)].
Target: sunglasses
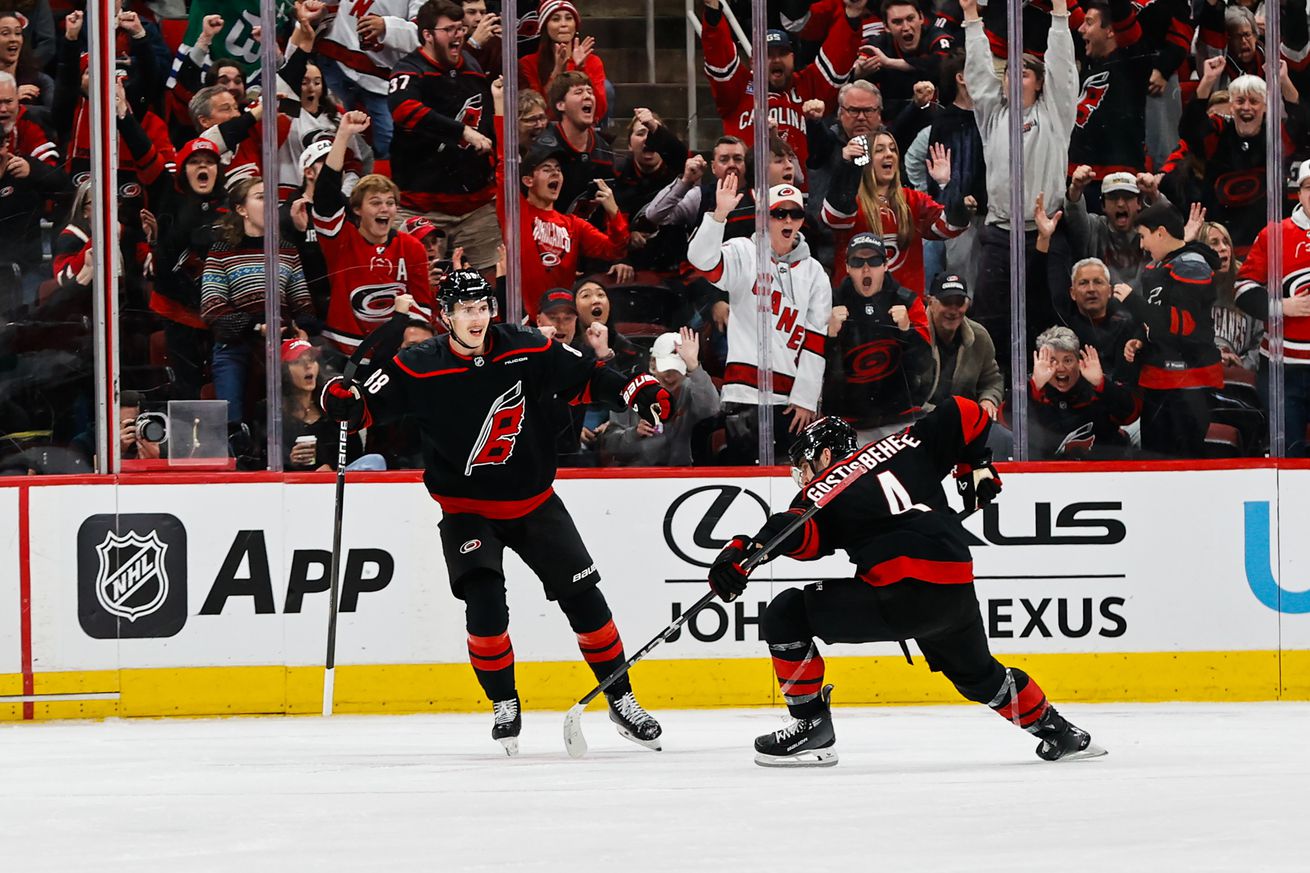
[(780, 213), (855, 261)]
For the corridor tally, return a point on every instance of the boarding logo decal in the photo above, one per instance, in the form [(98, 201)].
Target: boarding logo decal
[(131, 576)]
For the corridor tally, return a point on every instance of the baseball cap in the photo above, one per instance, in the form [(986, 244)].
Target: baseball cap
[(1119, 182), (780, 194), (867, 241), (421, 228), (664, 352), (1303, 173), (949, 285), (556, 298), (198, 146), (539, 155), (778, 39), (294, 348), (313, 153)]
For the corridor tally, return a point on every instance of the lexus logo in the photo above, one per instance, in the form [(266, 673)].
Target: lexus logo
[(701, 521)]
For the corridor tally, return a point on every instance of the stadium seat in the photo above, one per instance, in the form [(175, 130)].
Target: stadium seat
[(1223, 441)]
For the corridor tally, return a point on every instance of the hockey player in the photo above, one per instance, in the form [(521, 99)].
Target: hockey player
[(913, 578), (481, 396)]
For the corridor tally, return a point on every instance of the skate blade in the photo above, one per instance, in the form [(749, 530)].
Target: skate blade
[(511, 745), (649, 744), (812, 758), (1092, 751)]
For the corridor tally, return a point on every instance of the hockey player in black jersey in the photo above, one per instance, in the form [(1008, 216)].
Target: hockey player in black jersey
[(481, 396), (913, 578)]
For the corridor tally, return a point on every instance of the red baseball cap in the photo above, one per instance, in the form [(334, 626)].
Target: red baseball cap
[(294, 348), (421, 228)]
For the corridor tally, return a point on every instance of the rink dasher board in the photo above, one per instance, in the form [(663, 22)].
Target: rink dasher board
[(195, 599)]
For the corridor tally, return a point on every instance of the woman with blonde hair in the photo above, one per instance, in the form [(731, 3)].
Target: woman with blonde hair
[(1236, 333), (866, 195)]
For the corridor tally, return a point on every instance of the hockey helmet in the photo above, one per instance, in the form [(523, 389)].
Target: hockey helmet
[(829, 433), (463, 286)]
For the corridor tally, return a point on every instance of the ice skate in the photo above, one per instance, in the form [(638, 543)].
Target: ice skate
[(1062, 741), (633, 722), (508, 724), (806, 742)]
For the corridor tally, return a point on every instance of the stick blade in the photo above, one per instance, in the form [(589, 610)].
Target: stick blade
[(574, 742)]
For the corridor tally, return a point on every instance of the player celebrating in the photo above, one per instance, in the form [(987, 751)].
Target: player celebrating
[(492, 471), (914, 578)]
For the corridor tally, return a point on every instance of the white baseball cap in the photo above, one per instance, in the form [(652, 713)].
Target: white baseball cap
[(780, 194), (1303, 173), (664, 352), (314, 152), (1120, 182)]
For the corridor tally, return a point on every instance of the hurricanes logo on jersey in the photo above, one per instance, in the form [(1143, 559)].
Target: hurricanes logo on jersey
[(1094, 91), (499, 430), (873, 361), (374, 303)]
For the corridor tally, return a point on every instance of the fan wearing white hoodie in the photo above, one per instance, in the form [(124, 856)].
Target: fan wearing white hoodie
[(801, 302)]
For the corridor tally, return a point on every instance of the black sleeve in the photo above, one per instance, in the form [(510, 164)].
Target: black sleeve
[(68, 88), (578, 378), (843, 187), (954, 432), (293, 71), (821, 143), (328, 199), (235, 131), (666, 143)]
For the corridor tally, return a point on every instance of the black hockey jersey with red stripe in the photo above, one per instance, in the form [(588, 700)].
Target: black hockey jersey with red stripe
[(1174, 303), (894, 521), (486, 422), (431, 105)]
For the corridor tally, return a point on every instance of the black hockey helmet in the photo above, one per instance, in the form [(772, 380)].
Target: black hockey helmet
[(829, 433), (463, 286)]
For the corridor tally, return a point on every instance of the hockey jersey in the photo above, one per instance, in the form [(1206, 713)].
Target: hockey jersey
[(1083, 423), (730, 81), (486, 421), (800, 304), (1109, 130), (365, 277), (369, 65), (432, 104), (1174, 302), (894, 522), (1253, 295)]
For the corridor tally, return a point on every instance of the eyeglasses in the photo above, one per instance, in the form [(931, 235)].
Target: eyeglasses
[(780, 214), (452, 29), (862, 110), (855, 261)]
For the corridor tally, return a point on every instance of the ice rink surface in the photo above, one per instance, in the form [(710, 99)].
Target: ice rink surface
[(1186, 787)]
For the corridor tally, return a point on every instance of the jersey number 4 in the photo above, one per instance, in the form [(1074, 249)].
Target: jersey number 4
[(898, 499), (499, 430)]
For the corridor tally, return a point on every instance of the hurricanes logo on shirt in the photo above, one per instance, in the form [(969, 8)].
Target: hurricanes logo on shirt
[(873, 361), (374, 303), (499, 430), (1094, 91), (553, 241)]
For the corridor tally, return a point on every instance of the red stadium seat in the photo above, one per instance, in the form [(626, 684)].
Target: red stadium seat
[(1223, 441)]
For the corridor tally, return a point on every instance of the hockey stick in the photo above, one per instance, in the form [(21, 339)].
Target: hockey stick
[(820, 492), (365, 348)]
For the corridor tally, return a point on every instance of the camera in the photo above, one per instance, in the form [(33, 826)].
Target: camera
[(152, 427)]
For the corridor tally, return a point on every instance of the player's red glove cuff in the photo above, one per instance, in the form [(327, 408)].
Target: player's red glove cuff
[(342, 401)]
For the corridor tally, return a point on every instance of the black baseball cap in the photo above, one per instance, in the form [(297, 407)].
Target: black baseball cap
[(949, 285), (538, 155), (557, 298), (778, 39), (867, 241)]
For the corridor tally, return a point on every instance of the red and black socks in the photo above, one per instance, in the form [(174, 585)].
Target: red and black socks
[(598, 639), (799, 668)]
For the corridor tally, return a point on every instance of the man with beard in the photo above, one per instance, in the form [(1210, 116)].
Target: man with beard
[(789, 88), (878, 346), (1232, 149), (444, 150), (1109, 237)]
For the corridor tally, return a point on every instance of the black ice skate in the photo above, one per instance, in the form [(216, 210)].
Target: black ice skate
[(508, 724), (806, 742), (1061, 741), (633, 722)]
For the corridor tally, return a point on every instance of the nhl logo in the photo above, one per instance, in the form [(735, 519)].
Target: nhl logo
[(132, 575), (132, 580)]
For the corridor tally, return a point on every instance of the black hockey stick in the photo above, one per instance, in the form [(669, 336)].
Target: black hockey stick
[(820, 492), (361, 356)]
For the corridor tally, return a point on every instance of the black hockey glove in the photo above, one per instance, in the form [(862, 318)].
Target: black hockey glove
[(978, 484), (649, 398), (727, 578), (341, 401)]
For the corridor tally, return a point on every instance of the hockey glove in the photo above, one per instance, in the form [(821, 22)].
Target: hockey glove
[(649, 398), (341, 401), (727, 578), (978, 485)]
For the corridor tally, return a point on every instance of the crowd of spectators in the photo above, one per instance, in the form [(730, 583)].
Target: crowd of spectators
[(889, 177)]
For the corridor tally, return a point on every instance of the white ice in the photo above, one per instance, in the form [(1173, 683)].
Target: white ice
[(1186, 787)]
